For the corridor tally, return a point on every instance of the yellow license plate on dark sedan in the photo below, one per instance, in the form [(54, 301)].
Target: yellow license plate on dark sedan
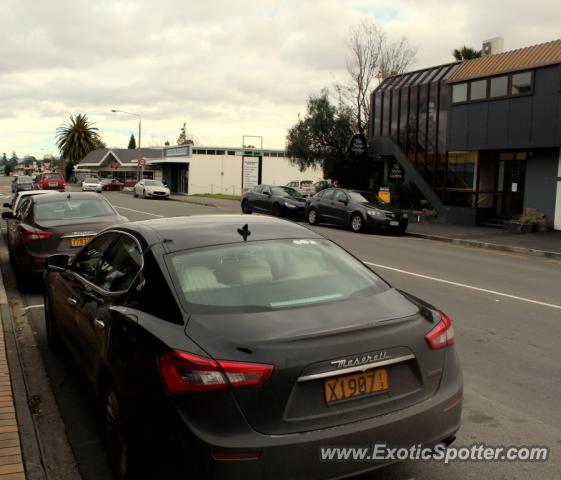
[(79, 241), (356, 385)]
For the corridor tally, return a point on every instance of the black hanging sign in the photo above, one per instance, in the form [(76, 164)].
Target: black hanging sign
[(358, 146)]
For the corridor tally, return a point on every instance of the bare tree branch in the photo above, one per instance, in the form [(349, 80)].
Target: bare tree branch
[(373, 58)]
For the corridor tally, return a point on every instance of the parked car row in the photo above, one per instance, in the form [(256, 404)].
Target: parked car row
[(43, 181), (356, 209)]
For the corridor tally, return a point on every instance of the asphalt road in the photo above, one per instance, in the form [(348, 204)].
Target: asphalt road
[(506, 310)]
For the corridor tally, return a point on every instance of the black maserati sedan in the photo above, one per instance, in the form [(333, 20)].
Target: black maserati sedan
[(229, 347), (277, 200), (54, 223), (356, 209)]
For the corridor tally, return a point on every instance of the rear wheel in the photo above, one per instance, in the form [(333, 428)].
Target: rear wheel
[(115, 435), (277, 211), (313, 216), (357, 223), (245, 207)]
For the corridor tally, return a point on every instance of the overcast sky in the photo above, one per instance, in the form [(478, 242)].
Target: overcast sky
[(227, 68)]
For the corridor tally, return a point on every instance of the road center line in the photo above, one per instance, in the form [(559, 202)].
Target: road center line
[(463, 285), (139, 211)]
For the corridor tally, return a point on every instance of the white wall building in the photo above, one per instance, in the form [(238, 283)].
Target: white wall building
[(198, 169)]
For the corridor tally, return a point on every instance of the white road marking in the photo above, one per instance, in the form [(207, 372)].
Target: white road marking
[(25, 309), (463, 285), (139, 211)]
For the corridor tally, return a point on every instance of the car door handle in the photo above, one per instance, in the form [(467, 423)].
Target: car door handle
[(99, 323), (72, 301)]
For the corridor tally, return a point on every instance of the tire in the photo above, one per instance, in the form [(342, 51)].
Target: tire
[(116, 437), (276, 210), (53, 338), (313, 217), (246, 208), (135, 194), (144, 194), (357, 222)]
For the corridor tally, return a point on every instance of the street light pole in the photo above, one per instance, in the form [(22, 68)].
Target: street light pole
[(140, 168)]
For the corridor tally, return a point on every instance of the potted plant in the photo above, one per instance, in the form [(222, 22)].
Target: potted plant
[(530, 221)]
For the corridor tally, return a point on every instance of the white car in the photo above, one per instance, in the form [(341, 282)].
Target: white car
[(92, 184), (304, 187), (15, 201), (151, 189)]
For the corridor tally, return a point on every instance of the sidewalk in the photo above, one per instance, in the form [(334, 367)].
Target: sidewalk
[(11, 463), (547, 244), (230, 205)]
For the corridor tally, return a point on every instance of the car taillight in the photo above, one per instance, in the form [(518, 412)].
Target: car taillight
[(443, 334), (187, 373), (34, 235)]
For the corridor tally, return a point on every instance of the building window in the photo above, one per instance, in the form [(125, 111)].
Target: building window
[(478, 90), (459, 92), (231, 152), (499, 87), (521, 83)]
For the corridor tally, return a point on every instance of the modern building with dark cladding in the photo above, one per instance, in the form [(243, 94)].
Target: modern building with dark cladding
[(480, 138)]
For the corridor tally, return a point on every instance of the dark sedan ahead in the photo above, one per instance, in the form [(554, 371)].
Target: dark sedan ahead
[(279, 201), (355, 209), (55, 223), (229, 347)]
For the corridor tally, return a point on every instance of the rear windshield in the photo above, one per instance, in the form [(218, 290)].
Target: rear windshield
[(91, 180), (24, 179), (70, 209), (306, 183), (52, 176), (271, 275)]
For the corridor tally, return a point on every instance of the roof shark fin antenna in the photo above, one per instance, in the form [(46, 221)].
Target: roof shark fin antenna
[(244, 232)]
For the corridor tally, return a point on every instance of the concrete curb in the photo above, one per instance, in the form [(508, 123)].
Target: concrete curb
[(486, 245), (188, 200), (30, 447), (180, 199)]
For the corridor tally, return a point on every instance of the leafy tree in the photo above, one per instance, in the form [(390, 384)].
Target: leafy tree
[(8, 169), (166, 143), (77, 137), (321, 139), (182, 139), (466, 53), (132, 142), (373, 58), (14, 159), (4, 159)]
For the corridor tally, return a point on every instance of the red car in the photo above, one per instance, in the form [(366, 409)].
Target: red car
[(112, 184), (50, 181)]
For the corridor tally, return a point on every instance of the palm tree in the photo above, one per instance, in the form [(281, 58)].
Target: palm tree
[(77, 137), (466, 53)]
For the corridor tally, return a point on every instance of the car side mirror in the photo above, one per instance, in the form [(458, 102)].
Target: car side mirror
[(267, 194), (57, 263), (343, 201), (6, 205), (7, 215)]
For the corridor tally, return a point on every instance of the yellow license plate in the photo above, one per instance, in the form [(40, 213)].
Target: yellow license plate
[(79, 241), (356, 385)]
